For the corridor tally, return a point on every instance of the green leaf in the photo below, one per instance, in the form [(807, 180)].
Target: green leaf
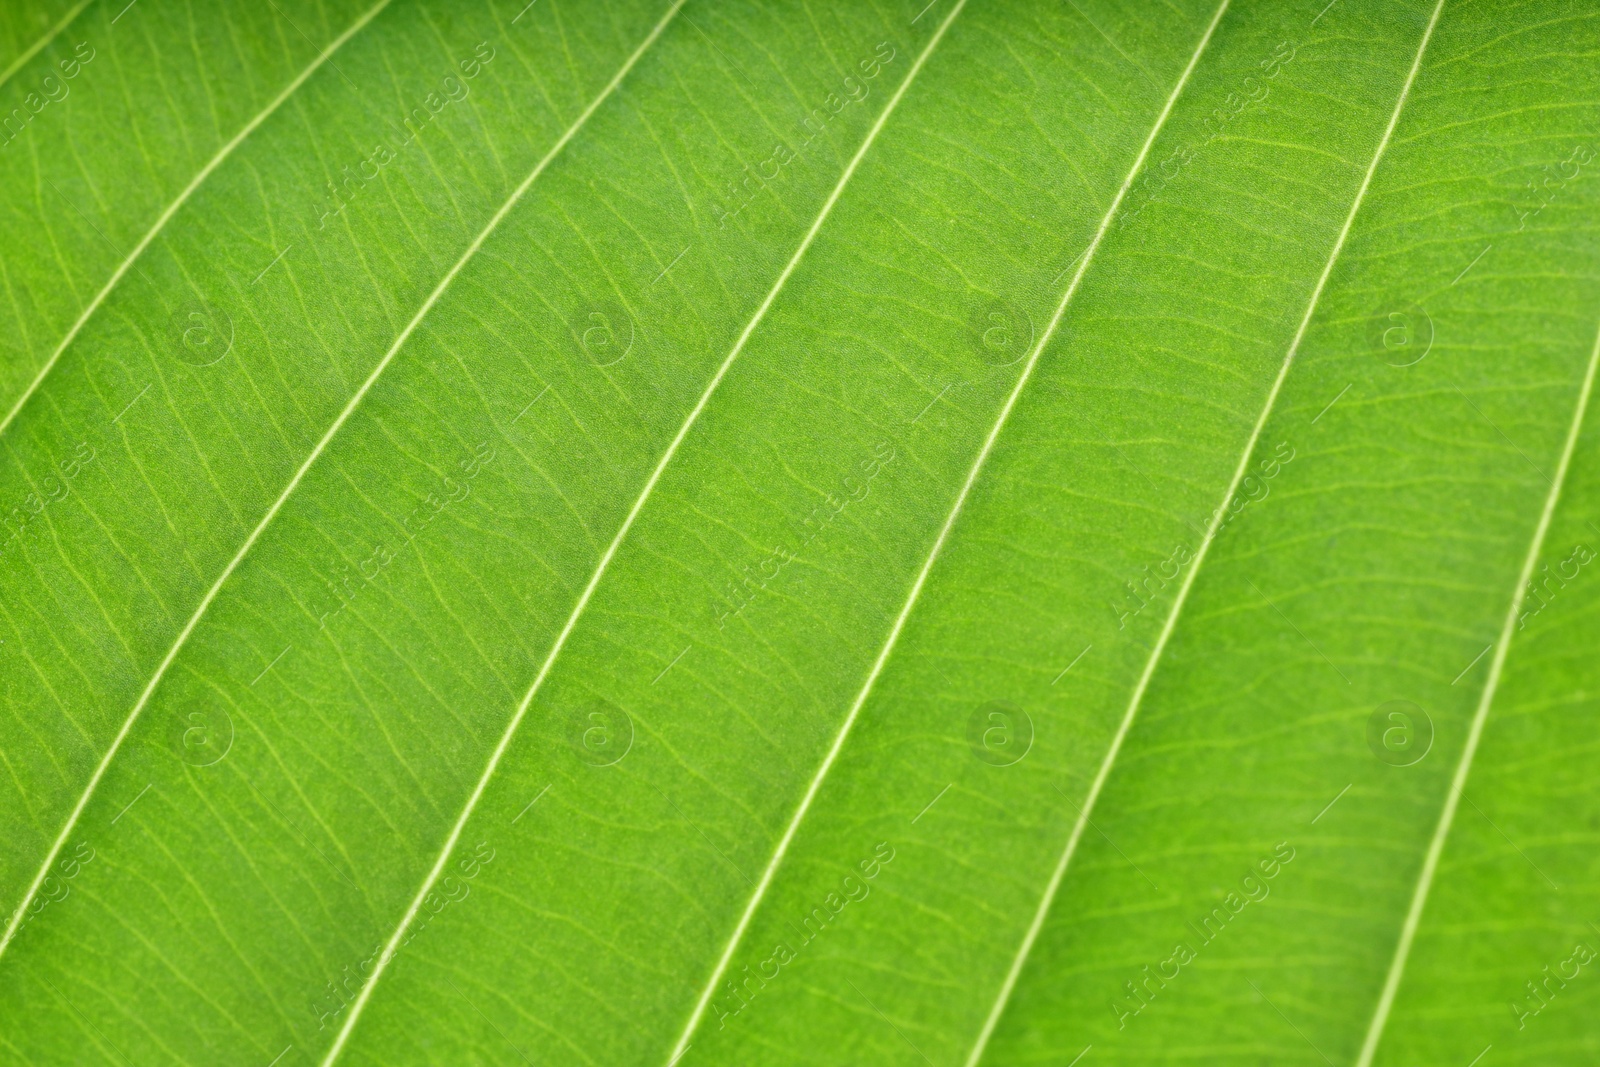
[(668, 532)]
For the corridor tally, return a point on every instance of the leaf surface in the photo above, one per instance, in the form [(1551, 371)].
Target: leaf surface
[(666, 532)]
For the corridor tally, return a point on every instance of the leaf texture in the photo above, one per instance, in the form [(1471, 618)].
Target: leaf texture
[(669, 532)]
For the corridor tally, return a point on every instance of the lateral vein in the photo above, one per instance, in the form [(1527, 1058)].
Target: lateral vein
[(172, 209), (1458, 782), (776, 860), (1137, 697), (37, 46), (311, 458), (603, 565), (393, 944)]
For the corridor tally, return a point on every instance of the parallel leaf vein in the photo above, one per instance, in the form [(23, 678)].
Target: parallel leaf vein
[(617, 540), (1086, 808), (172, 209), (338, 423), (51, 34), (1458, 782)]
